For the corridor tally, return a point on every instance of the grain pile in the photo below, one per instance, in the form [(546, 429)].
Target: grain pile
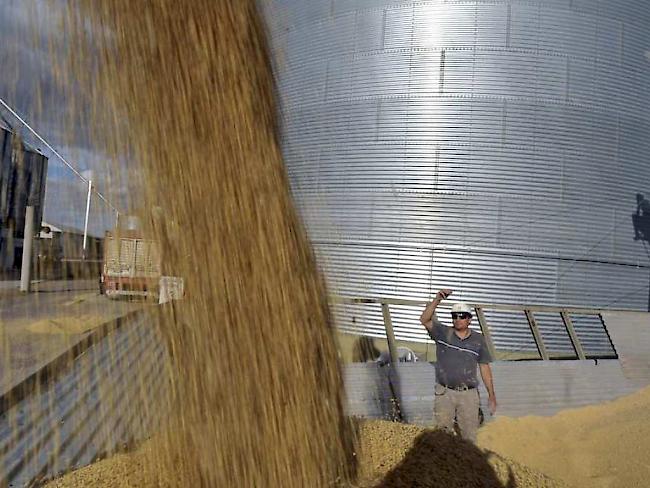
[(598, 446), (389, 455), (398, 455)]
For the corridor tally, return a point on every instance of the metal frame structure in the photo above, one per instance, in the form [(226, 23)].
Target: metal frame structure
[(529, 311)]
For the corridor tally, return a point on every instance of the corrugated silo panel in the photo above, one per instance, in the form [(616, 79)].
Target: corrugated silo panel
[(493, 147), (398, 27), (369, 31)]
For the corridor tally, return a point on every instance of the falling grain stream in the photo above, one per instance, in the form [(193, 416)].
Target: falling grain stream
[(256, 396)]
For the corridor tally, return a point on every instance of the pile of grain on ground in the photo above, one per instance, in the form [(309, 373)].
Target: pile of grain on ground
[(77, 324), (605, 445), (399, 455), (389, 455)]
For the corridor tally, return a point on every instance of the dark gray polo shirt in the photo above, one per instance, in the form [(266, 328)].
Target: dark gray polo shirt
[(457, 359)]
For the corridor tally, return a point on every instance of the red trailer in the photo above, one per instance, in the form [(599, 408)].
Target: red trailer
[(131, 265)]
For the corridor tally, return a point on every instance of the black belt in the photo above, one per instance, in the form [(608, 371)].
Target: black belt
[(458, 388)]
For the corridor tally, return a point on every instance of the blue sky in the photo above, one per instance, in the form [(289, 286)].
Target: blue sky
[(28, 86)]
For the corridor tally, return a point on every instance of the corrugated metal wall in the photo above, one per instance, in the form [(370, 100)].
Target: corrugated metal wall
[(488, 146), (631, 334), (23, 173), (522, 388)]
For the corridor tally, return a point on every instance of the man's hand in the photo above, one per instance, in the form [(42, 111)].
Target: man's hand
[(427, 315), (492, 405), (443, 294)]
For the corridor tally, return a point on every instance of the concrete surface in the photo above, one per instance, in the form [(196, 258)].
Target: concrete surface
[(36, 327)]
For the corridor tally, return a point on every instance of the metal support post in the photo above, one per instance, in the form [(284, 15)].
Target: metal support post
[(27, 249), (539, 342), (390, 334), (393, 371), (90, 189), (649, 295), (568, 324), (486, 332)]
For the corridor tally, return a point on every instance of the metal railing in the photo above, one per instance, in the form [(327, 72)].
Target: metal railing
[(545, 352)]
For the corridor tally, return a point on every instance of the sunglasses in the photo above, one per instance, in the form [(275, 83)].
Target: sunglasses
[(461, 315)]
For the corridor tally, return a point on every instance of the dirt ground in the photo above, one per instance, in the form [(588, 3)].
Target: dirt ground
[(36, 327), (598, 446)]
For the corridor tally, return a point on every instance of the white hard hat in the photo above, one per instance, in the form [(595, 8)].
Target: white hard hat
[(461, 307)]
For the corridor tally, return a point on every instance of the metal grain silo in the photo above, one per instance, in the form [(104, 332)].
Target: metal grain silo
[(23, 172), (494, 147)]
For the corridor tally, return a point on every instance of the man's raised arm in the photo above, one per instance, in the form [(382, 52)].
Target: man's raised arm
[(428, 315)]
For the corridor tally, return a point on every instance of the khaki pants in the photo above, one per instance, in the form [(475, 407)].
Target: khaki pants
[(461, 405)]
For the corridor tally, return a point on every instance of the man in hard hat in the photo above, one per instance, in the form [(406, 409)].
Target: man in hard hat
[(460, 351)]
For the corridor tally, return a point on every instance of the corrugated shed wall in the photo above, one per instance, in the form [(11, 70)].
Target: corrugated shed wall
[(488, 146)]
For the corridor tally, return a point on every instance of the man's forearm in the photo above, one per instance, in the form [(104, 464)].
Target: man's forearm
[(486, 375), (489, 386), (427, 314)]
